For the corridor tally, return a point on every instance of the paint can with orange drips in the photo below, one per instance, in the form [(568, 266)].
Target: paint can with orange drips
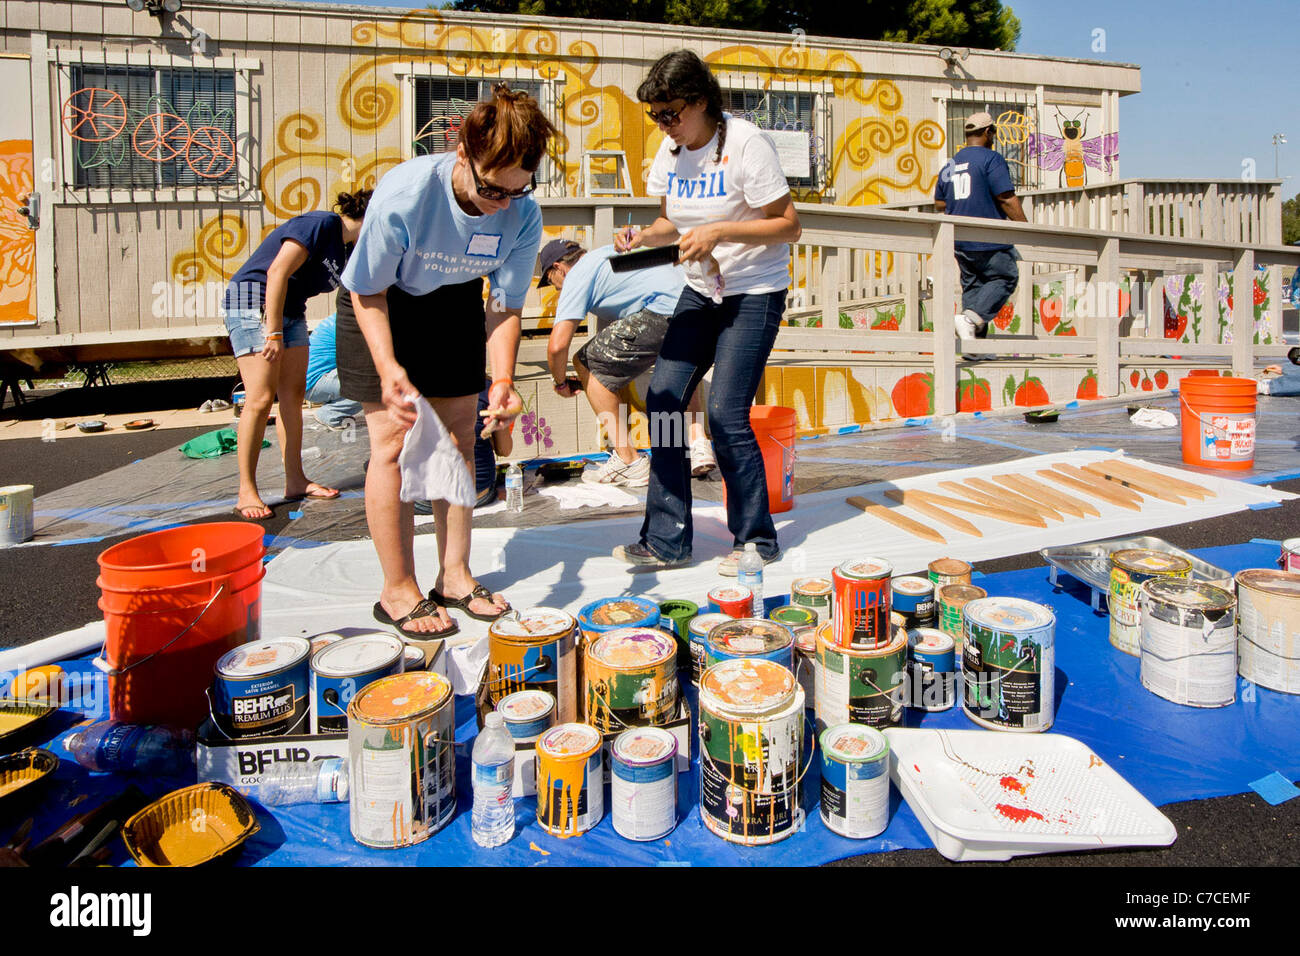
[(862, 603), (534, 649), (630, 679), (402, 759), (570, 779), (751, 751)]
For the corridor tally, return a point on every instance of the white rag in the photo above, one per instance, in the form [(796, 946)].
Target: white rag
[(571, 496), (1153, 418), (431, 465)]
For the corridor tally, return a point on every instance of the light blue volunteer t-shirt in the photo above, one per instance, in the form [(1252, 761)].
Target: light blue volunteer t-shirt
[(417, 237), (320, 351), (592, 286)]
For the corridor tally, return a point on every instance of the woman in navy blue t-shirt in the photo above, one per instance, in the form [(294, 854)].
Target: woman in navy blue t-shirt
[(266, 317)]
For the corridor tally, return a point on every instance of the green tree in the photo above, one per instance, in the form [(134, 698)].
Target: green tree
[(983, 24), (1291, 220)]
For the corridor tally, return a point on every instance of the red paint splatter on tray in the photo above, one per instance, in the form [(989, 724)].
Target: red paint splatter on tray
[(1012, 784), (916, 768), (1019, 814)]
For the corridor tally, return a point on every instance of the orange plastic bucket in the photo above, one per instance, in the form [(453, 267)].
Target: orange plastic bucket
[(131, 600), (1218, 421), (181, 555), (774, 428)]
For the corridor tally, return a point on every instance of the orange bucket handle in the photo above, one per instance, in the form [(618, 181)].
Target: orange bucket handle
[(786, 450), (1183, 399), (100, 663)]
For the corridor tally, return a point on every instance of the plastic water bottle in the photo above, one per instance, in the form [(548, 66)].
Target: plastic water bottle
[(515, 488), (750, 574), (316, 781), (112, 745), (493, 816)]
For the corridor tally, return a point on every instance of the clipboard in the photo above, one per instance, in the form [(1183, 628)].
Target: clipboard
[(644, 259)]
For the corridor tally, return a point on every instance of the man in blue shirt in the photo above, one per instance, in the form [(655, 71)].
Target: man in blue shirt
[(637, 305), (323, 379), (977, 182)]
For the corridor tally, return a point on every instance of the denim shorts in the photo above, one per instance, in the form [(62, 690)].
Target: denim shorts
[(245, 329)]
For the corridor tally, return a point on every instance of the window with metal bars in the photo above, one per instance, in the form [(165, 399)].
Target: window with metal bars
[(1014, 121), (782, 111), (146, 127)]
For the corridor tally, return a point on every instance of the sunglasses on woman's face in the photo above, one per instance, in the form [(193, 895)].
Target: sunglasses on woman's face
[(667, 118), (497, 193)]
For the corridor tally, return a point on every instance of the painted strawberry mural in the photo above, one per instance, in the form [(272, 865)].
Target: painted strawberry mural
[(885, 321), (1162, 379), (974, 394), (1050, 308), (1030, 392), (1088, 387), (1006, 320), (913, 396), (1175, 324)]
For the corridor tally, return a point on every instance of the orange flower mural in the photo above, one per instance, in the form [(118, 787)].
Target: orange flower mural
[(17, 241)]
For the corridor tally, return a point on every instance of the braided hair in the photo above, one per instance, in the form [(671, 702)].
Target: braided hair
[(683, 75)]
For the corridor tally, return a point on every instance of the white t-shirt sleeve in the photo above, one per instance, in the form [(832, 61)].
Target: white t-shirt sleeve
[(657, 182), (764, 181)]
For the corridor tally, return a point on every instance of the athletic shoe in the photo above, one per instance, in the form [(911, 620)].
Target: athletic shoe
[(616, 471), (729, 567), (965, 324), (702, 460), (643, 557)]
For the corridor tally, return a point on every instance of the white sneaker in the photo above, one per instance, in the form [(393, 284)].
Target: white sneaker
[(616, 471), (702, 460), (967, 324)]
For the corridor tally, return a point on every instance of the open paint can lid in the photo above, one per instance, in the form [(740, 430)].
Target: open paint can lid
[(400, 697), (633, 647), (643, 746), (852, 743)]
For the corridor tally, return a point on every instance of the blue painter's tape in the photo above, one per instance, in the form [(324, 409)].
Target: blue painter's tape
[(916, 421), (60, 544), (976, 574), (1264, 505), (1275, 788), (1271, 541), (295, 515), (1072, 404), (849, 430), (980, 415), (268, 558)]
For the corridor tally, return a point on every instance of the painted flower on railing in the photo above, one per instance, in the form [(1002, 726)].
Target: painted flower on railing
[(888, 320), (1174, 286)]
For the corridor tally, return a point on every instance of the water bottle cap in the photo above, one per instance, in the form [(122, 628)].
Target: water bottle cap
[(493, 721)]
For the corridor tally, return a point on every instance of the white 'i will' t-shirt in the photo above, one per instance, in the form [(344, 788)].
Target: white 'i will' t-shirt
[(699, 191)]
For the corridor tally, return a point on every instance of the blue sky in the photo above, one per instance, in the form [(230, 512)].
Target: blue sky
[(1219, 78)]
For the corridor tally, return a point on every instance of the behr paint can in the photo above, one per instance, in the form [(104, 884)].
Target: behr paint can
[(631, 679), (1189, 642), (700, 626), (402, 759), (1128, 569), (643, 783), (535, 649), (1268, 629), (951, 599), (913, 597), (860, 685), (527, 714), (342, 668), (261, 689), (945, 571), (814, 593), (570, 779), (751, 638), (855, 781), (751, 750), (931, 671), (862, 603), (1009, 664), (733, 600)]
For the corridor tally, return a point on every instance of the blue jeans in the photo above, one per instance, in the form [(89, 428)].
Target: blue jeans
[(735, 338), (988, 277), (334, 411)]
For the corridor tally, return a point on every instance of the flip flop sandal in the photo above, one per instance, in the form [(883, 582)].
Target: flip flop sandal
[(462, 604), (426, 608)]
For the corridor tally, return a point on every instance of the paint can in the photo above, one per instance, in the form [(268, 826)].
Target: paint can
[(607, 614), (862, 603), (1290, 560), (261, 688), (413, 658), (402, 759), (805, 664), (1009, 664), (1268, 629), (751, 638), (1128, 569), (931, 670), (814, 593), (700, 626), (630, 679), (860, 685), (947, 571), (796, 617), (322, 641), (951, 599), (643, 783), (751, 751), (675, 616), (535, 649), (1189, 642), (570, 779), (913, 597), (16, 522), (342, 668), (733, 600), (855, 781), (527, 714)]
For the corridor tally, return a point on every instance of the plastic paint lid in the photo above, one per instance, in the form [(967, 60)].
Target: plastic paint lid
[(960, 593), (949, 567), (533, 621), (621, 611), (401, 696), (643, 746), (632, 647), (794, 615), (357, 655), (852, 743), (701, 624), (1188, 594), (569, 740), (810, 586), (929, 639), (413, 657), (1009, 614), (730, 592), (1282, 583), (1150, 562), (746, 685), (525, 705), (866, 569), (805, 641), (912, 585), (263, 657), (750, 635)]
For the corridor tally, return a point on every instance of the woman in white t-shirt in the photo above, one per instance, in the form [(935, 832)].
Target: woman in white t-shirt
[(726, 203)]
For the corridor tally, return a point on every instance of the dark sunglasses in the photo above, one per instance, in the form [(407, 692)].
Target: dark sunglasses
[(496, 193), (667, 117)]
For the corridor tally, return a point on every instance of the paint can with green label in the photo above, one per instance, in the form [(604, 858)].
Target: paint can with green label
[(951, 599), (1128, 569), (860, 685), (631, 679), (855, 780), (813, 593), (1009, 664)]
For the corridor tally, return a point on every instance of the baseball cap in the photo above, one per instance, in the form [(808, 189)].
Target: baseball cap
[(977, 121), (553, 252)]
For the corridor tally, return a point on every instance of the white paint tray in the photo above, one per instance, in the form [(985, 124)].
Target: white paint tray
[(991, 795)]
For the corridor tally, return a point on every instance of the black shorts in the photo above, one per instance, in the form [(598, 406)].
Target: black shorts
[(623, 350), (439, 338)]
